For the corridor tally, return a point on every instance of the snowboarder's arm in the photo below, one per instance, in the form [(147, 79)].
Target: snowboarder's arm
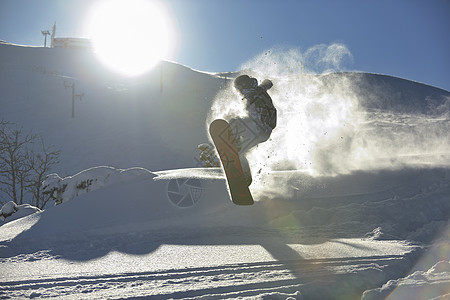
[(266, 84)]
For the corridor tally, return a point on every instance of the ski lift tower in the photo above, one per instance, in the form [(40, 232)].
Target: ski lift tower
[(45, 33)]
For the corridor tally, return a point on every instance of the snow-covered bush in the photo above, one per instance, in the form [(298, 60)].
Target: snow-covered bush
[(11, 211), (208, 156)]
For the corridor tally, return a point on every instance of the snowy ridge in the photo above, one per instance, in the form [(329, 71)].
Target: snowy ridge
[(352, 192), (200, 173), (67, 188), (436, 278)]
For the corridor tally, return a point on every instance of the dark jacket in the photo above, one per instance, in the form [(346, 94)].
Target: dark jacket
[(258, 99)]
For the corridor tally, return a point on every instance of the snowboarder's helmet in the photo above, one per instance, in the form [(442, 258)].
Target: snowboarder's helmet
[(245, 82)]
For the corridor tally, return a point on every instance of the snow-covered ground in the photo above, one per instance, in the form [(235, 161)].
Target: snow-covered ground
[(352, 192)]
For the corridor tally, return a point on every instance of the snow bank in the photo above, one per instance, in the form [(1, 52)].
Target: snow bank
[(11, 211), (424, 285), (67, 188)]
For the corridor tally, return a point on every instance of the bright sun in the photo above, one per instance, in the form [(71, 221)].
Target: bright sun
[(129, 36)]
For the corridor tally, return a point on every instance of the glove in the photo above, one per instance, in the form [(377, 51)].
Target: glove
[(266, 84)]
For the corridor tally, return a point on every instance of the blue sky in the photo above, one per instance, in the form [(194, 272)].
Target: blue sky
[(404, 38)]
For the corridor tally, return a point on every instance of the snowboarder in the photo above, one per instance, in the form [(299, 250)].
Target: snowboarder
[(262, 118), (253, 129)]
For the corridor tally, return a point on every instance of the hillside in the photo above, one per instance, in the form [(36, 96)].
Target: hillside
[(142, 118), (351, 191)]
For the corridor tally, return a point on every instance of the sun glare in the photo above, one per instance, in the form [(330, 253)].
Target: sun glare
[(130, 36)]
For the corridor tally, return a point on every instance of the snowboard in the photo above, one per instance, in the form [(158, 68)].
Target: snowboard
[(224, 141)]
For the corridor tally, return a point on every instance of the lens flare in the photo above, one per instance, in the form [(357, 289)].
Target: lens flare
[(131, 36)]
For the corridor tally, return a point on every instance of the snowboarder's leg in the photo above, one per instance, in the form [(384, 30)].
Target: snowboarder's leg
[(246, 169), (248, 134), (244, 141), (243, 153), (244, 132)]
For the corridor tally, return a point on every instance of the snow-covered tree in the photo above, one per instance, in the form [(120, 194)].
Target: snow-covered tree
[(40, 163), (14, 169), (23, 165)]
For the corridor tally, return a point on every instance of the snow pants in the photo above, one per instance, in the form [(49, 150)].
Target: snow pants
[(248, 134)]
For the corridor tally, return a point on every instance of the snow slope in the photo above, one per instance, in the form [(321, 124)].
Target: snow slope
[(352, 192)]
